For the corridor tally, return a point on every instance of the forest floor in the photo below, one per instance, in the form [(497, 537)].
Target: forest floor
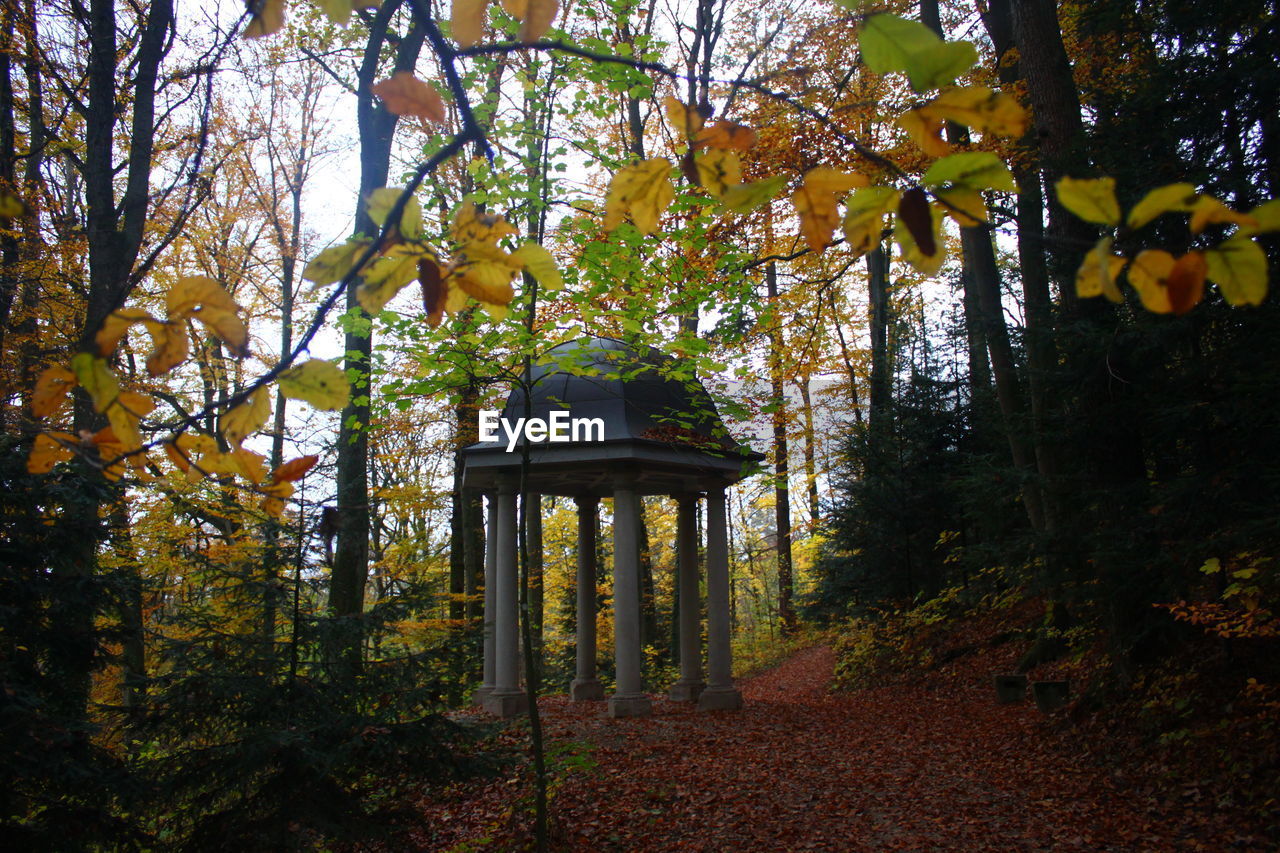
[(930, 765)]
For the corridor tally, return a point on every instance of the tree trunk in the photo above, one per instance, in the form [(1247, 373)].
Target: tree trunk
[(781, 492)]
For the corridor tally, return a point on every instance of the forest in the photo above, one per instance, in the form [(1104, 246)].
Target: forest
[(984, 287)]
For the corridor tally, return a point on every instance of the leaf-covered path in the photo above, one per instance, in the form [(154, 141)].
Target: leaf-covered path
[(932, 766)]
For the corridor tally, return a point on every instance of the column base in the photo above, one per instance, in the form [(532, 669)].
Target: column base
[(482, 692), (720, 699), (634, 705), (586, 690), (506, 704), (686, 691)]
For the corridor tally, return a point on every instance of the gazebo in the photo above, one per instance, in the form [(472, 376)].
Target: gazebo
[(644, 432)]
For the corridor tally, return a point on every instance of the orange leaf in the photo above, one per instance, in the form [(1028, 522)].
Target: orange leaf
[(433, 291), (406, 95), (1186, 282), (727, 134), (294, 469), (51, 390)]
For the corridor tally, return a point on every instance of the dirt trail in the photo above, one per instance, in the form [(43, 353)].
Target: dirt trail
[(915, 767)]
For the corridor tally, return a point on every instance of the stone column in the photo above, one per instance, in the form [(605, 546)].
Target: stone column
[(586, 687), (490, 590), (506, 699), (629, 700), (690, 685), (720, 693)]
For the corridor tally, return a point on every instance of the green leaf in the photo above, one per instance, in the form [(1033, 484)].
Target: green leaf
[(321, 383), (975, 170), (1267, 215), (335, 262), (890, 43), (96, 378)]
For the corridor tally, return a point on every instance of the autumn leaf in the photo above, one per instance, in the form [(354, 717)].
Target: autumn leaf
[(49, 449), (744, 198), (538, 261), (684, 121), (640, 191), (294, 469), (268, 18), (204, 299), (406, 95), (536, 20), (718, 170), (1098, 272), (1091, 199), (96, 378), (1239, 267), (1267, 217), (925, 131), (1161, 200), (1186, 282), (321, 383), (980, 108), (170, 346), (816, 201), (865, 210), (124, 415), (1210, 211), (966, 206), (433, 290), (889, 43), (386, 277), (466, 19), (380, 203), (338, 11), (334, 263), (975, 170), (11, 207), (274, 496), (1148, 274), (918, 232), (247, 418), (52, 386), (727, 135), (116, 326)]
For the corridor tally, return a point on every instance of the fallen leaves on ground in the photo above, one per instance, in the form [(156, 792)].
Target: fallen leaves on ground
[(929, 764)]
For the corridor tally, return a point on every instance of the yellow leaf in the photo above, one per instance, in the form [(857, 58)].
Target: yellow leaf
[(865, 210), (925, 131), (816, 203), (11, 207), (1098, 272), (386, 277), (406, 95), (684, 121), (538, 261), (641, 191), (335, 262), (910, 251), (537, 19), (247, 418), (1210, 211), (1171, 197), (170, 346), (1091, 199), (966, 206), (275, 494), (48, 450), (235, 463), (486, 280), (718, 170), (980, 108), (194, 292), (96, 378), (471, 225), (321, 383), (1149, 274), (1267, 217), (109, 448), (268, 18), (744, 198), (228, 327), (130, 408), (380, 202), (1239, 267), (976, 170), (115, 327), (467, 19), (186, 447), (51, 390)]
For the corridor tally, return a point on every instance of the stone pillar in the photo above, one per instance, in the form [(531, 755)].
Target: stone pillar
[(586, 687), (720, 693), (490, 591), (506, 699), (630, 699), (690, 685)]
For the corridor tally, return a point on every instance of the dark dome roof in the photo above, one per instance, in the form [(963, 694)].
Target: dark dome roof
[(657, 417)]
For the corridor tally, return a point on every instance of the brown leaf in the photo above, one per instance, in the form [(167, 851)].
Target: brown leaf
[(433, 291), (1186, 282), (406, 95), (914, 211), (294, 469)]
